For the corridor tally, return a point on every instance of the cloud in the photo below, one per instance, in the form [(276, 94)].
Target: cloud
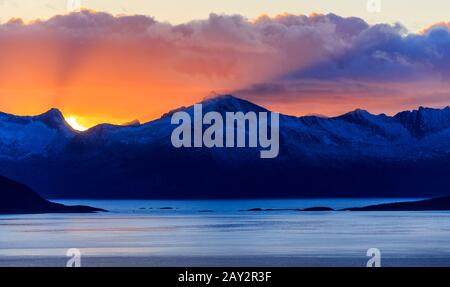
[(338, 96), (383, 69), (436, 25), (122, 67), (384, 53)]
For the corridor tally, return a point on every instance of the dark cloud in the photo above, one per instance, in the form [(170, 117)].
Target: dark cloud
[(385, 53)]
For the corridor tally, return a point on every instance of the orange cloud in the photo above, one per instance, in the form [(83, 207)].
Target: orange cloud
[(119, 68), (435, 25)]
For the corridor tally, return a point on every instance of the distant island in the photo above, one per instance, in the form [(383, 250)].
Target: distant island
[(16, 198), (317, 208), (434, 204)]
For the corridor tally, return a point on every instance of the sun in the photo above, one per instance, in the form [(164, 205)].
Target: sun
[(73, 122)]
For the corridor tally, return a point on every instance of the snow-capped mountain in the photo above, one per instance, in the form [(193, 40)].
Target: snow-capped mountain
[(22, 137), (425, 121), (356, 154)]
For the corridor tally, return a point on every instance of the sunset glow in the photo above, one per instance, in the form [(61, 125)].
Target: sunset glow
[(117, 69), (72, 121)]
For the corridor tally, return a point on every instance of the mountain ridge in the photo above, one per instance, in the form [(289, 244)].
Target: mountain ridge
[(359, 154), (224, 102)]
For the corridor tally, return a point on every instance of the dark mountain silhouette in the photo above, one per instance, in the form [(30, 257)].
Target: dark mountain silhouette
[(354, 155), (434, 204), (16, 198)]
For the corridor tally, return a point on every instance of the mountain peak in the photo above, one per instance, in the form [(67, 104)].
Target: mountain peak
[(230, 103), (52, 118), (221, 104), (52, 113), (220, 97), (358, 114)]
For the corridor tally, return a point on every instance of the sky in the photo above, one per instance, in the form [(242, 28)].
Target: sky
[(126, 60), (413, 14)]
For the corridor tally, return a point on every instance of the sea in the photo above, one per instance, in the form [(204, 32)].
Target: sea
[(210, 233)]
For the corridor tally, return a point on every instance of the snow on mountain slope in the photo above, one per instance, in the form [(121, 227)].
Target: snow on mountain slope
[(356, 154), (33, 135), (350, 136), (423, 132), (425, 120)]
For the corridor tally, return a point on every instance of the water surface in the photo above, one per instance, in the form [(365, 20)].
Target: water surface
[(219, 233)]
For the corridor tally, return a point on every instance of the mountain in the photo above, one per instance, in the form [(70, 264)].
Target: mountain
[(21, 137), (16, 198), (425, 120), (357, 154)]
